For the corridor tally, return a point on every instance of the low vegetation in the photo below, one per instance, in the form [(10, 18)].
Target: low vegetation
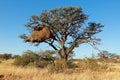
[(46, 65), (30, 58), (10, 72)]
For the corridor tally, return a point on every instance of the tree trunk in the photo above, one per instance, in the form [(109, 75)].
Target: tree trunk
[(63, 53), (65, 57)]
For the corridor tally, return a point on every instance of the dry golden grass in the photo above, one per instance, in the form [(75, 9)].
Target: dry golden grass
[(11, 72)]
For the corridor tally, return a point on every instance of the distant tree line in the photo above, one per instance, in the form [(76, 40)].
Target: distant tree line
[(6, 56), (108, 57), (52, 55)]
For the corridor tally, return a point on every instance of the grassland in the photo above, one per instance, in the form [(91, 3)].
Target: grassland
[(10, 72)]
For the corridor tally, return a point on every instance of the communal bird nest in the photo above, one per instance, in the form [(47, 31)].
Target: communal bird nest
[(40, 33)]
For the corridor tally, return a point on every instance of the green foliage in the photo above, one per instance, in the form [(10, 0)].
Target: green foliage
[(41, 63), (30, 58), (27, 58)]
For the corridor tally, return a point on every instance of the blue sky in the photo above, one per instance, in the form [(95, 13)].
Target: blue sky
[(14, 14)]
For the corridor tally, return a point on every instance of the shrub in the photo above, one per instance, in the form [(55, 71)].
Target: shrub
[(58, 66), (91, 64), (30, 58), (15, 56), (27, 58), (61, 65), (41, 63), (71, 64)]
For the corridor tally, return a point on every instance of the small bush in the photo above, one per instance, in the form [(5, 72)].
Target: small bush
[(15, 56), (91, 64), (71, 64), (41, 63), (27, 58), (61, 65), (30, 58)]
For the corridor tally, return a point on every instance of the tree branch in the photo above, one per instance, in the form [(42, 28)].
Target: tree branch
[(51, 44)]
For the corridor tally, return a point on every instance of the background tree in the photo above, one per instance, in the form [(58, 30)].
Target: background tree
[(107, 56), (103, 54), (5, 56), (68, 29)]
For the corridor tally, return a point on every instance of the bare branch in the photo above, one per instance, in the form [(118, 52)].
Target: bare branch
[(51, 44)]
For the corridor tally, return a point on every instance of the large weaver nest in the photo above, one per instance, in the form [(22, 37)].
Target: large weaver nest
[(40, 33)]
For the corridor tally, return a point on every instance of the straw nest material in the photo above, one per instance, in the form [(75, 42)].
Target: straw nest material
[(40, 33)]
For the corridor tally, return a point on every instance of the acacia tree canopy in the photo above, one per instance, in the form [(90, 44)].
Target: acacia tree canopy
[(68, 28)]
